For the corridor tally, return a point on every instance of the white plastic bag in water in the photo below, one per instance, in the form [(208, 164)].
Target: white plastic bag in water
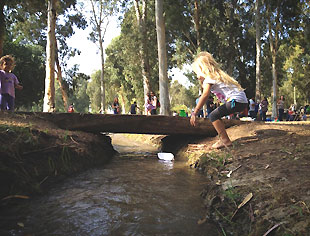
[(167, 156)]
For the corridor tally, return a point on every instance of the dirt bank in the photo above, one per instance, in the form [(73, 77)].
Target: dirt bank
[(34, 154), (268, 168)]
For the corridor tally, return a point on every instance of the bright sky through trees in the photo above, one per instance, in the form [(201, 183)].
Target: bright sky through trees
[(89, 59)]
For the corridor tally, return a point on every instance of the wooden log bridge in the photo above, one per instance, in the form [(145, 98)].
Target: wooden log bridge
[(138, 124)]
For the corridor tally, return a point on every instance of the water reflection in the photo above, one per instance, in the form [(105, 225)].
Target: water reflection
[(167, 164), (130, 196)]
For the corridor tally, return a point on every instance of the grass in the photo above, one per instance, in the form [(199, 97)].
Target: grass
[(215, 159)]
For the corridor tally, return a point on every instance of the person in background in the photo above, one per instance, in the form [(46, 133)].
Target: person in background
[(252, 104), (210, 105), (133, 108), (149, 104), (71, 108), (154, 103), (200, 112), (226, 88), (280, 105), (257, 105), (263, 109), (115, 106), (8, 83)]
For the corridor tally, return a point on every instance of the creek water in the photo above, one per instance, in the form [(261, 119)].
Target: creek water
[(135, 194)]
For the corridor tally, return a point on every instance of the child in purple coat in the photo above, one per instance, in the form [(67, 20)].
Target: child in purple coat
[(8, 83)]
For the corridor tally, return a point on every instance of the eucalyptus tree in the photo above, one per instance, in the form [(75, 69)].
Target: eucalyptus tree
[(101, 12), (141, 15), (282, 19), (162, 58), (49, 95), (124, 55), (258, 48)]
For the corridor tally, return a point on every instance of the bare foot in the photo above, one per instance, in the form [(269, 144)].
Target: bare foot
[(220, 144)]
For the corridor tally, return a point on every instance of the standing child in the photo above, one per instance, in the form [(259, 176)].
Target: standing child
[(263, 108), (115, 106), (8, 83), (149, 105), (154, 100), (280, 105), (224, 87)]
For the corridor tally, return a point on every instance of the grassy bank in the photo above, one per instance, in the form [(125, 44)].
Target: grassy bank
[(35, 154), (260, 186)]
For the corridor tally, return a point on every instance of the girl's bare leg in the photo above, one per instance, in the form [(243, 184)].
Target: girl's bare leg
[(224, 139)]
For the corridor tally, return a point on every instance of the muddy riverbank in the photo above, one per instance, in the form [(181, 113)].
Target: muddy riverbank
[(35, 154), (260, 186)]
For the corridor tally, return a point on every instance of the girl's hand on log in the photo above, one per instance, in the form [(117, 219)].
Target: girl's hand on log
[(193, 119)]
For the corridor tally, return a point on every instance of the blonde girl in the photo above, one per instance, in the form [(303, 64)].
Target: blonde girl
[(226, 89)]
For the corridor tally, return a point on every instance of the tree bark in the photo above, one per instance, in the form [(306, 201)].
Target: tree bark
[(230, 68), (141, 19), (2, 27), (49, 96), (60, 80), (162, 57), (137, 124), (273, 51), (102, 84), (197, 23), (101, 28), (258, 49)]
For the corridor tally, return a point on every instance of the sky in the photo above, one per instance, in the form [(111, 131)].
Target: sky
[(89, 59)]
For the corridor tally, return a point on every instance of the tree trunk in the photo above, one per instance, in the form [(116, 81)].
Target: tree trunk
[(102, 85), (198, 39), (60, 80), (197, 24), (273, 51), (162, 57), (2, 27), (258, 49), (49, 96), (231, 56), (141, 19), (100, 22)]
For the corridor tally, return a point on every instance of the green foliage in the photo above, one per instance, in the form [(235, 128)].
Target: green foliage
[(79, 97), (94, 93), (181, 97), (30, 71)]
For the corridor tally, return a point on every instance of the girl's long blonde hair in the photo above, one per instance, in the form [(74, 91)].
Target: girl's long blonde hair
[(205, 64)]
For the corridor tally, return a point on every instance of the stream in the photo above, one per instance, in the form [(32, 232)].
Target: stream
[(135, 194)]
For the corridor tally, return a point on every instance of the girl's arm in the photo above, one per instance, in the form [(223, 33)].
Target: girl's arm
[(201, 102), (18, 86)]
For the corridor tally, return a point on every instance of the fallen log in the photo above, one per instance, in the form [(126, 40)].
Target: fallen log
[(139, 124)]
